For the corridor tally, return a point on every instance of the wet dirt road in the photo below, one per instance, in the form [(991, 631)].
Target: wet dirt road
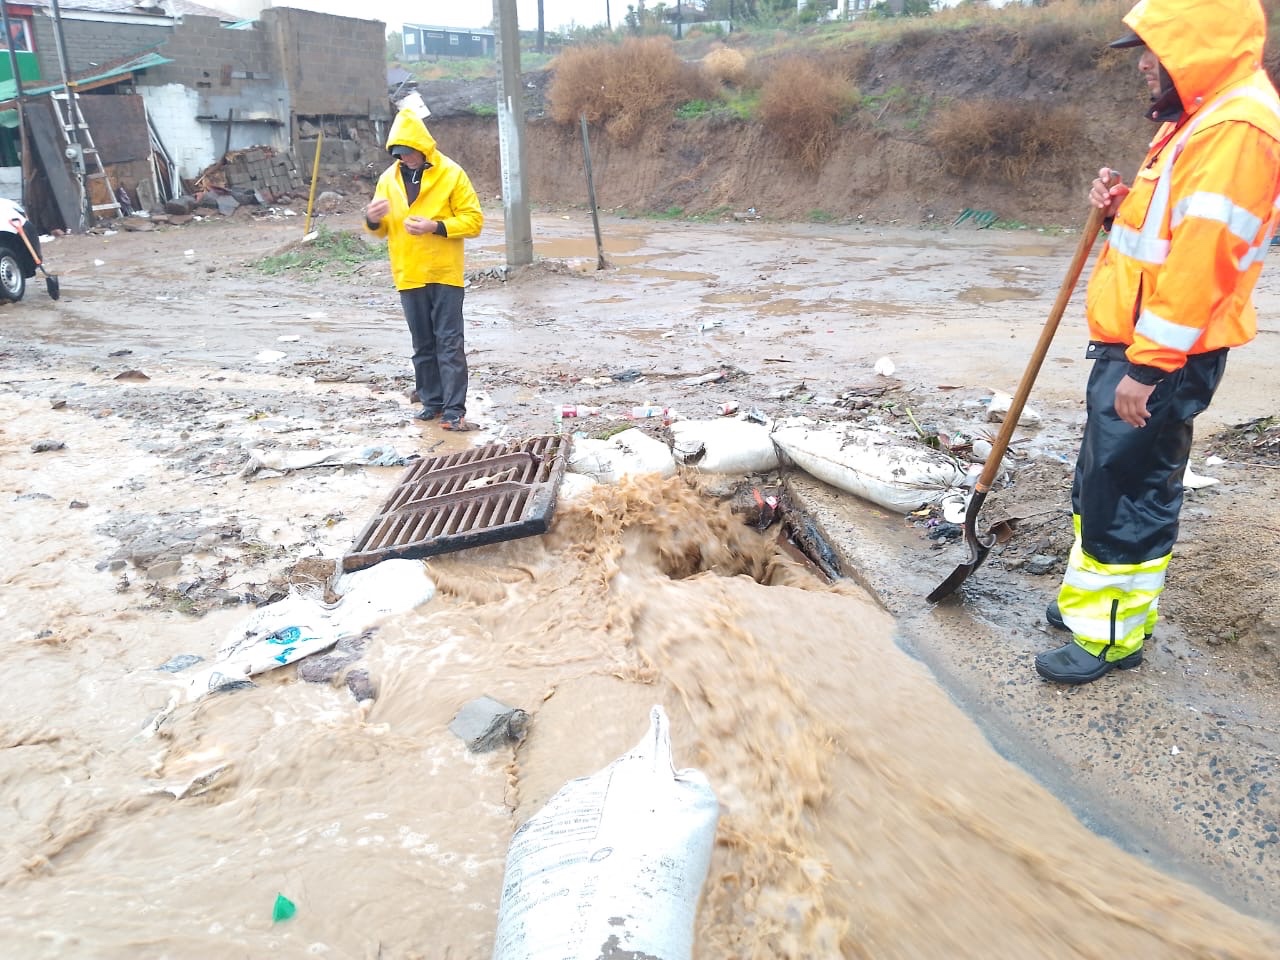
[(863, 813)]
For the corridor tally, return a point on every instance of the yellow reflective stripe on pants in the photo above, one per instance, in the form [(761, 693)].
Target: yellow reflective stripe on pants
[(1110, 603)]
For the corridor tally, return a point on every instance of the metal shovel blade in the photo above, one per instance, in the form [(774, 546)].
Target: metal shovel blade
[(978, 546), (51, 285)]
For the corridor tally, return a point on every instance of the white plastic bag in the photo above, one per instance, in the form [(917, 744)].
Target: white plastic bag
[(298, 626), (887, 471), (613, 865), (629, 453), (724, 446)]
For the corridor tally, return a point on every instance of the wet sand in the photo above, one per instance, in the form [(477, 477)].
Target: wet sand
[(863, 812)]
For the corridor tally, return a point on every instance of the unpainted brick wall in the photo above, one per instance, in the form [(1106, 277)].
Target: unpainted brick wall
[(325, 64), (333, 65)]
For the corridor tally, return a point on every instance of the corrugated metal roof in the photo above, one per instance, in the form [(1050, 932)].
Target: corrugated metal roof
[(8, 89), (166, 9)]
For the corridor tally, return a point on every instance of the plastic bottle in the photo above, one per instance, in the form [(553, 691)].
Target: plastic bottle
[(573, 410), (644, 413), (728, 409)]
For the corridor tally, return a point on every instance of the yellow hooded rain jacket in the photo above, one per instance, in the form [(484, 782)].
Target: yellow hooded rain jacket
[(446, 195)]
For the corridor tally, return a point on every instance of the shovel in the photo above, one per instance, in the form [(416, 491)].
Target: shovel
[(50, 281), (980, 546)]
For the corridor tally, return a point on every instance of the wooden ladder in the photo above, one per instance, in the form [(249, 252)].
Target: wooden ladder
[(67, 106)]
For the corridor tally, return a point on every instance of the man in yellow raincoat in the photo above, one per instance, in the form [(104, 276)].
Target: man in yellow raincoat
[(1169, 296), (425, 206)]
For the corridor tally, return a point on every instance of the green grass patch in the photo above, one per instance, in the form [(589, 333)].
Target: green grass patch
[(483, 109), (694, 109), (821, 216), (334, 252)]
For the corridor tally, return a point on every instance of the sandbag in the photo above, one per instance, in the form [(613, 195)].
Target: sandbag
[(627, 454), (613, 865), (884, 469), (723, 446)]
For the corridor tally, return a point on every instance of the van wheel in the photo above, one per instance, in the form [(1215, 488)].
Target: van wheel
[(12, 283)]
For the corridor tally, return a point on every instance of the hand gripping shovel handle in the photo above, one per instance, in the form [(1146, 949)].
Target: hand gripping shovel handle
[(978, 546)]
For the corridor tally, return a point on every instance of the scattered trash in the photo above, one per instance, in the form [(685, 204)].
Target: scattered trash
[(283, 909), (485, 724), (289, 338), (275, 463), (981, 219), (614, 864), (269, 356), (897, 475), (573, 410), (706, 325), (1213, 461), (188, 254), (626, 376), (728, 409), (299, 625), (179, 663), (645, 413), (1000, 404), (99, 263), (1193, 481), (194, 784), (884, 367), (715, 376), (44, 446), (724, 446)]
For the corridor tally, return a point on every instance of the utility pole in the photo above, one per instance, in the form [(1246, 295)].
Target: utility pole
[(17, 102), (515, 197)]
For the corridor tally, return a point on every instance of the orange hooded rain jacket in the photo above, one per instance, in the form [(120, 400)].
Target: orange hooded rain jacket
[(1186, 246)]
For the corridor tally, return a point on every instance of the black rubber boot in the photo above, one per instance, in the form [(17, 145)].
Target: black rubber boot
[(1054, 615), (1072, 663)]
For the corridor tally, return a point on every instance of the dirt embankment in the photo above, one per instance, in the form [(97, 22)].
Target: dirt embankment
[(884, 165)]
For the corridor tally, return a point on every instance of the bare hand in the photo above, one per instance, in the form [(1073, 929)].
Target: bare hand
[(1107, 191), (1131, 401), (419, 226), (376, 210)]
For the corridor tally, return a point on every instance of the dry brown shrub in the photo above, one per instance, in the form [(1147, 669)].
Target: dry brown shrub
[(624, 88), (1003, 139), (726, 66), (800, 105)]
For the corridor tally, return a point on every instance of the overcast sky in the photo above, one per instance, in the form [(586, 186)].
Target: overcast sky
[(468, 13)]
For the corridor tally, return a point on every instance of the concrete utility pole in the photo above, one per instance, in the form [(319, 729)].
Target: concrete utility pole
[(515, 196)]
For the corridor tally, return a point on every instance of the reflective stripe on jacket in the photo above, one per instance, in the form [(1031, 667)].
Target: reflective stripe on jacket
[(445, 194), (1178, 270)]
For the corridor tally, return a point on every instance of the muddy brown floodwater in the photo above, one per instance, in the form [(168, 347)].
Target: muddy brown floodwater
[(864, 812)]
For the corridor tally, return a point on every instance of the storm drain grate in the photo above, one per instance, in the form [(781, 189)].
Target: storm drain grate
[(484, 495)]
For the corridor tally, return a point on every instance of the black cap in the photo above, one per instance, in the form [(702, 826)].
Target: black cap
[(1130, 39)]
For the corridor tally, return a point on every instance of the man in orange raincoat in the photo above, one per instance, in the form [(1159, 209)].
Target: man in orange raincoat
[(1169, 296)]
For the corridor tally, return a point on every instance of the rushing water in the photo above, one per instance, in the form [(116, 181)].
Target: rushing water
[(863, 815)]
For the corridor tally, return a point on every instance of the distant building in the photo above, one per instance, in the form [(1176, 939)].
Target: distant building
[(421, 42)]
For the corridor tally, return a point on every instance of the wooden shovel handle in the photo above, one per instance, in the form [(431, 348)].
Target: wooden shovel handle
[(1001, 442)]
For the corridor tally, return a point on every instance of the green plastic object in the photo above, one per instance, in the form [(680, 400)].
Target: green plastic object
[(284, 909)]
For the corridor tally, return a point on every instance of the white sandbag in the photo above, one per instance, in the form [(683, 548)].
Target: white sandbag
[(893, 473), (299, 625), (627, 454), (723, 446), (574, 486), (614, 864)]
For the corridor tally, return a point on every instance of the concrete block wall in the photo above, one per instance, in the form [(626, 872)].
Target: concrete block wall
[(332, 65), (90, 43)]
